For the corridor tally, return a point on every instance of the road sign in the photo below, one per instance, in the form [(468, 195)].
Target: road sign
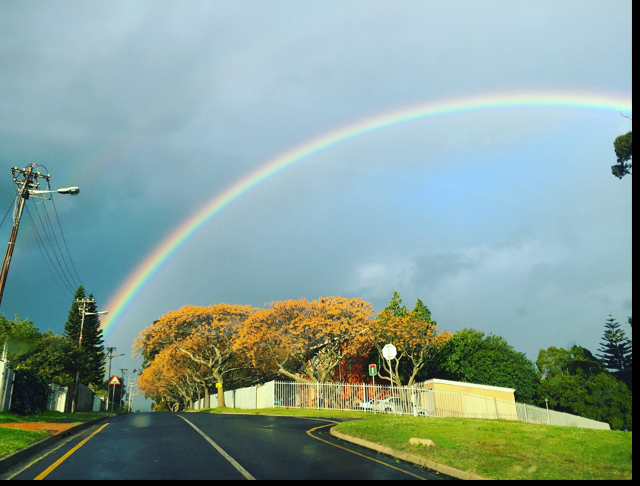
[(373, 370), (114, 380), (389, 351)]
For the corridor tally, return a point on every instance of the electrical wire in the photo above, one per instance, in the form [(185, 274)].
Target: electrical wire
[(6, 214), (61, 231), (65, 241), (52, 247), (40, 247), (44, 206)]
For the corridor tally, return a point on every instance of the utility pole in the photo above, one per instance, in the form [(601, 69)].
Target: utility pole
[(26, 187), (29, 182), (122, 385), (111, 356), (83, 310)]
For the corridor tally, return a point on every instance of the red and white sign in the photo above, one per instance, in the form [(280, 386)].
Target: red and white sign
[(114, 380)]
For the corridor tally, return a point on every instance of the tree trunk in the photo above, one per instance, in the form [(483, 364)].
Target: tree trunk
[(207, 402), (220, 397), (199, 397)]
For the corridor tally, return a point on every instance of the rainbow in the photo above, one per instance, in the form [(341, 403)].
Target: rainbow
[(145, 271)]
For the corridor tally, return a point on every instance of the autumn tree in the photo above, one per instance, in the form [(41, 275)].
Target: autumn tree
[(171, 378), (305, 340), (205, 335), (413, 333)]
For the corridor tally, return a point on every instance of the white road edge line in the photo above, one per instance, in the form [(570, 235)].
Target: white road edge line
[(233, 462)]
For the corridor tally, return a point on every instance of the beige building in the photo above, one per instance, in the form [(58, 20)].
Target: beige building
[(468, 400)]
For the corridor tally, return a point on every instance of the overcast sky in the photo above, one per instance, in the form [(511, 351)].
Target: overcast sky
[(507, 221)]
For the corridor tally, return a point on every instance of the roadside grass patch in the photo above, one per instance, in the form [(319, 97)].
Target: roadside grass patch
[(501, 449), (50, 416), (12, 440)]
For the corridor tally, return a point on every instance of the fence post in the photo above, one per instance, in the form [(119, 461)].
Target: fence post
[(495, 404)]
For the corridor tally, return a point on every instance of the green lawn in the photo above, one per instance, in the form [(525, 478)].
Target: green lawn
[(504, 450), (12, 440), (7, 417)]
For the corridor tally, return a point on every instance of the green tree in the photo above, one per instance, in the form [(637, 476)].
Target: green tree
[(93, 346), (92, 357), (574, 381), (624, 148), (20, 337), (615, 351), (470, 356), (54, 358), (74, 318)]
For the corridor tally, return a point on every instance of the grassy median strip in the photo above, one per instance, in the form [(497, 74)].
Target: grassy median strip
[(12, 440), (504, 450)]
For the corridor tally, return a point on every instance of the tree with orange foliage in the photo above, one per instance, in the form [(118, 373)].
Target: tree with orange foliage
[(206, 335), (169, 380), (305, 340), (413, 333)]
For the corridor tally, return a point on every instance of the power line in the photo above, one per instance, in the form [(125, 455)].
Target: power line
[(7, 214), (40, 247), (65, 241), (52, 247), (57, 243)]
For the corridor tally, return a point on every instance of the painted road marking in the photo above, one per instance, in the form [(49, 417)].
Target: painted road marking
[(233, 462), (357, 453), (47, 471), (35, 461)]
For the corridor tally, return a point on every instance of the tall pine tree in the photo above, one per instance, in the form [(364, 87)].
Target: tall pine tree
[(91, 358), (615, 351)]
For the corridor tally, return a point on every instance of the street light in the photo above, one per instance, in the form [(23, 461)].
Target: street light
[(24, 189), (74, 191)]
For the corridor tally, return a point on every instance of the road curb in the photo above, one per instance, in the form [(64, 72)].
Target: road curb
[(420, 461), (18, 456)]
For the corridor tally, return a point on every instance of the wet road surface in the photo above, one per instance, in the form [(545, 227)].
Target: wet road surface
[(211, 446)]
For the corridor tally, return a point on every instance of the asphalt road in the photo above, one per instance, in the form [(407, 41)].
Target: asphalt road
[(211, 446)]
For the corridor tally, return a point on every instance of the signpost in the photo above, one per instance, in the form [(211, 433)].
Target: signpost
[(114, 381), (373, 371), (389, 352)]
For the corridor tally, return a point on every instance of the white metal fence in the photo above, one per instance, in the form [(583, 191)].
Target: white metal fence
[(401, 401), (418, 402)]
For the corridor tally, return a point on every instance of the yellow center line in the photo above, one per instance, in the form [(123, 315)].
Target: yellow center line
[(47, 471), (357, 453)]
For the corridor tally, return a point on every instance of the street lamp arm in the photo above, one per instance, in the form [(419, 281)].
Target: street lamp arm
[(65, 190)]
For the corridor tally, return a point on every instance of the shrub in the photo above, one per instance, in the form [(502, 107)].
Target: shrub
[(30, 393)]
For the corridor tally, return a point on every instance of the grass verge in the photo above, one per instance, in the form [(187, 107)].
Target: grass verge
[(9, 417), (501, 449), (12, 440)]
